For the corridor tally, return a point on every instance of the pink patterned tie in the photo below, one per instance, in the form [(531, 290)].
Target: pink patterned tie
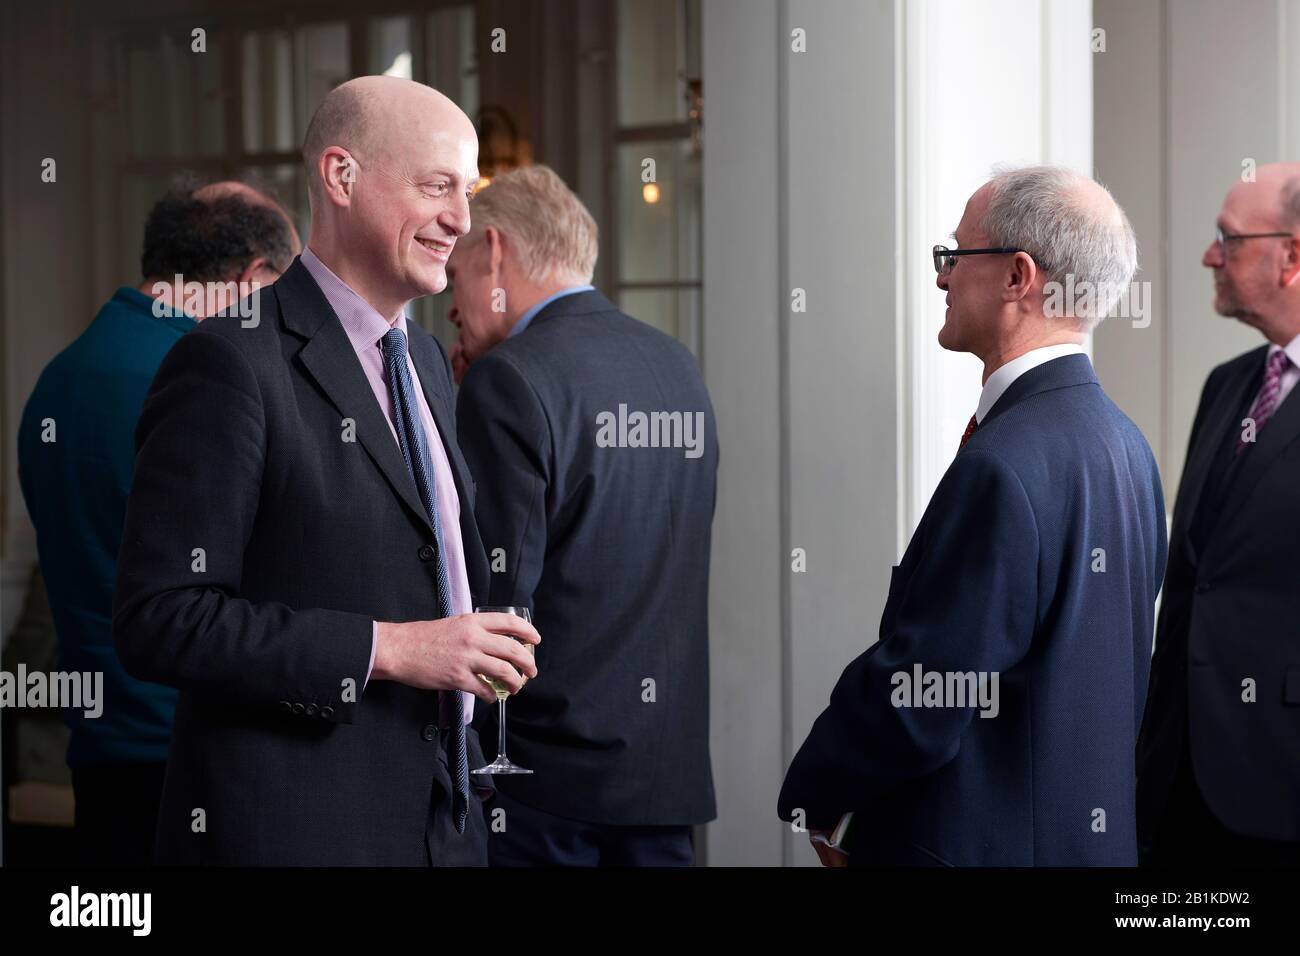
[(1266, 404)]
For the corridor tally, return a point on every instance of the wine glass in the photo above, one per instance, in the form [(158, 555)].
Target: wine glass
[(502, 764)]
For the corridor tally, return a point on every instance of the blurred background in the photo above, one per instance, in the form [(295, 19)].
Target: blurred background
[(808, 154)]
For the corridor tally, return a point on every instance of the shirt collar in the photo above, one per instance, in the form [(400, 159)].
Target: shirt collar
[(360, 320), (528, 316), (1001, 380), (1292, 350)]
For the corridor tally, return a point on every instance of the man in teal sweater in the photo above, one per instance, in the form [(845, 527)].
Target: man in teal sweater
[(204, 250)]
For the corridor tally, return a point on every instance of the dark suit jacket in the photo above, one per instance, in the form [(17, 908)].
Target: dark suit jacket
[(609, 547), (307, 539), (1231, 612), (999, 578)]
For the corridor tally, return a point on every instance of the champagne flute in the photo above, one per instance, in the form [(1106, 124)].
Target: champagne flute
[(502, 764)]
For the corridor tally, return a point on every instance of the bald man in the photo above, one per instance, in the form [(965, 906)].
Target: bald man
[(1219, 755), (75, 460), (300, 556)]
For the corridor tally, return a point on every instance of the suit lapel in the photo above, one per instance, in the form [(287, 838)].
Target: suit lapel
[(329, 358), (1196, 472)]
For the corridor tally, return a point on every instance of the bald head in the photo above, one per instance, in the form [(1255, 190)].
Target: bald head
[(1273, 198), (390, 166), (365, 117)]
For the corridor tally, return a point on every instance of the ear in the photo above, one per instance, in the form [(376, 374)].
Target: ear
[(1291, 262), (496, 250), (250, 271), (1020, 277), (337, 169)]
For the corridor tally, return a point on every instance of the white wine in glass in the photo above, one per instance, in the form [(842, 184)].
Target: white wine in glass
[(502, 764)]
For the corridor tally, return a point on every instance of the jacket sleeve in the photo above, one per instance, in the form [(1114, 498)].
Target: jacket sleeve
[(969, 603), (506, 440), (178, 617)]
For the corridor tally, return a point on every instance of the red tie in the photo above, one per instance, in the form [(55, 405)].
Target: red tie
[(970, 430)]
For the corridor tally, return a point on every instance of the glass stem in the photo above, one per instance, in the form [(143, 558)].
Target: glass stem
[(501, 727)]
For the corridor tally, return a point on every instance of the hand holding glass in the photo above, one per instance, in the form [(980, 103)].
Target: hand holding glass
[(502, 764)]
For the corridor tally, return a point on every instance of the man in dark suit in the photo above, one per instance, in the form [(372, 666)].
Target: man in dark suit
[(75, 459), (300, 549), (1219, 754), (592, 438), (994, 721)]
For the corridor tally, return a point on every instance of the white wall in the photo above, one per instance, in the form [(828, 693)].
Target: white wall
[(1186, 90)]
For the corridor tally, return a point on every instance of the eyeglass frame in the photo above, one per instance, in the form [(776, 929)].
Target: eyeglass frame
[(1221, 238), (943, 251)]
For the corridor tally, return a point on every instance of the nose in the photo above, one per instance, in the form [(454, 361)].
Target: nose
[(941, 281), (456, 217), (1213, 258), (454, 316)]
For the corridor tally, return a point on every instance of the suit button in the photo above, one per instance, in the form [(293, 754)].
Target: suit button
[(327, 711), (286, 707), (311, 710), (430, 732), (1202, 587), (426, 553), (297, 708)]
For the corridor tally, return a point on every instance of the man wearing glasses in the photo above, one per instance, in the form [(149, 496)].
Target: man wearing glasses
[(994, 722), (1219, 754)]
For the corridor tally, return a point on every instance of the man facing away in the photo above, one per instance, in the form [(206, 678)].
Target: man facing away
[(994, 721), (602, 530), (75, 460), (300, 554), (1219, 754)]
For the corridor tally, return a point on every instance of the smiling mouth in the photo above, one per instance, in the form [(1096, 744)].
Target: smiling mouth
[(438, 247)]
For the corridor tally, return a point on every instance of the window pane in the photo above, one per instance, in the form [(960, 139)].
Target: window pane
[(451, 61), (651, 58), (390, 46), (659, 222), (320, 63), (176, 101), (268, 91)]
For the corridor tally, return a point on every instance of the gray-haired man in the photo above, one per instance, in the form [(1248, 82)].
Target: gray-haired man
[(993, 723)]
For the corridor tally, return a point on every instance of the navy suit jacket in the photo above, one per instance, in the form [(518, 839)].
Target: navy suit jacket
[(609, 546), (1004, 575)]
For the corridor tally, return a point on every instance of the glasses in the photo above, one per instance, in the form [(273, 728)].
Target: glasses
[(945, 258), (1221, 238)]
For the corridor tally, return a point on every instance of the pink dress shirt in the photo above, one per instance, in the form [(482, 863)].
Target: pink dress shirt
[(365, 328)]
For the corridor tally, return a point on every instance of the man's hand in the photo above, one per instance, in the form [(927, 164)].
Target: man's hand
[(827, 854), (452, 652), (458, 364)]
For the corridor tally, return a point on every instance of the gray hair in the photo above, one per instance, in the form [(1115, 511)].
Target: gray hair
[(1291, 202), (1072, 227), (554, 235)]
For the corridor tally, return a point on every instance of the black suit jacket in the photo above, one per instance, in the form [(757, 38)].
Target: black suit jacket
[(306, 538), (609, 547), (1231, 612)]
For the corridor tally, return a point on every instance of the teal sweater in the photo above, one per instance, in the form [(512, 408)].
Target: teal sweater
[(76, 489)]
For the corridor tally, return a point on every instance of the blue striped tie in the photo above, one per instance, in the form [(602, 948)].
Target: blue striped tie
[(410, 435)]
